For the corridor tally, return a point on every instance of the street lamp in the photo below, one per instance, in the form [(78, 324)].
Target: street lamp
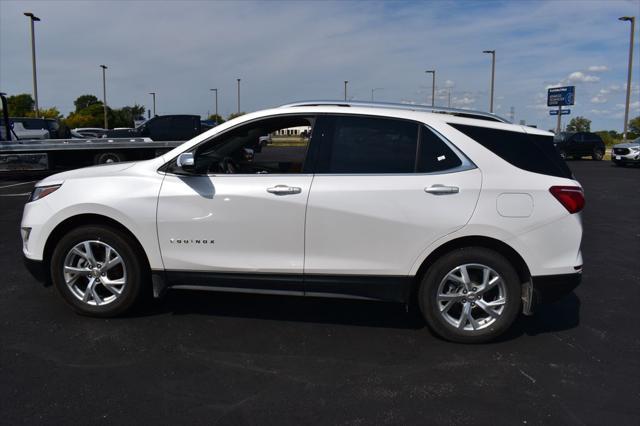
[(216, 90), (33, 18), (433, 86), (238, 95), (631, 19), (104, 95), (373, 90), (345, 89), (493, 75), (153, 94)]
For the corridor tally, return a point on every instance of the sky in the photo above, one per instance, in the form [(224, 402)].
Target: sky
[(285, 51)]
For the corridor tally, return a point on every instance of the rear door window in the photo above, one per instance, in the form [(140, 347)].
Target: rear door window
[(367, 145), (434, 155), (534, 153)]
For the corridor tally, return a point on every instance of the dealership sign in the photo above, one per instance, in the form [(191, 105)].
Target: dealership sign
[(563, 112), (561, 96)]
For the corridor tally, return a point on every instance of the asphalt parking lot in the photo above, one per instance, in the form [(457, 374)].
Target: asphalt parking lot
[(238, 359)]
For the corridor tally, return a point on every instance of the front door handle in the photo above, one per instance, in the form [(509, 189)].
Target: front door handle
[(442, 189), (284, 190)]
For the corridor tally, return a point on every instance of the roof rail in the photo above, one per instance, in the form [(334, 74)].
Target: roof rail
[(481, 115)]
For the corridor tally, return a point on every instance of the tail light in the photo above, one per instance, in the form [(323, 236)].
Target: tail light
[(571, 197)]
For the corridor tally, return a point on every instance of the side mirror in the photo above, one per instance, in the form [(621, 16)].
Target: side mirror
[(186, 161)]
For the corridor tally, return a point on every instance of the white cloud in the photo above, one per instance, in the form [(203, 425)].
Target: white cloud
[(449, 83), (598, 99), (598, 68), (580, 77)]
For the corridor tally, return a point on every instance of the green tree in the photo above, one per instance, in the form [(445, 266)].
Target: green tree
[(46, 113), (579, 124), (125, 116), (634, 125), (85, 101), (235, 114), (20, 105), (217, 118)]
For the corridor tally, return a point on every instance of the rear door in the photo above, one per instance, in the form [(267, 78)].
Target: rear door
[(383, 191)]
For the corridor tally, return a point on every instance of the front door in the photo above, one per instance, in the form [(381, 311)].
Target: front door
[(242, 209)]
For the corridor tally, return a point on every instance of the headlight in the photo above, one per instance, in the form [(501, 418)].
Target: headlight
[(42, 191)]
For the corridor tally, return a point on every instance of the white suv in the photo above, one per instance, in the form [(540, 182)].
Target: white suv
[(473, 219)]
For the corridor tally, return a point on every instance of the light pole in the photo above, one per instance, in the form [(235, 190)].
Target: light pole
[(373, 90), (631, 19), (216, 90), (153, 95), (345, 89), (104, 95), (433, 86), (33, 18), (449, 97), (493, 75), (238, 95)]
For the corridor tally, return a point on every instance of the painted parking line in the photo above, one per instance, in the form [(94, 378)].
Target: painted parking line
[(17, 184)]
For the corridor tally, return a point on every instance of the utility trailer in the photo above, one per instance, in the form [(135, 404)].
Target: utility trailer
[(59, 154)]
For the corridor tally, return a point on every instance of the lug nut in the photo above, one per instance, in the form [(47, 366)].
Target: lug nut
[(474, 289), (104, 274), (464, 291), (464, 300)]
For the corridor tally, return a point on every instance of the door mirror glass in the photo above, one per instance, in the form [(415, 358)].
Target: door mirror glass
[(186, 161)]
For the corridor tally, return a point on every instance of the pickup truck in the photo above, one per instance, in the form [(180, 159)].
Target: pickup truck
[(163, 128)]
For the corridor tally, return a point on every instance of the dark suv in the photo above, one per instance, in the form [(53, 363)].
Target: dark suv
[(579, 144)]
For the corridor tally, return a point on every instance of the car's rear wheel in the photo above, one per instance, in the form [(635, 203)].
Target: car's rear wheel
[(470, 295), (97, 271), (598, 154)]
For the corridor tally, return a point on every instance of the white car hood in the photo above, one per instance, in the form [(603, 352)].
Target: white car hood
[(104, 170)]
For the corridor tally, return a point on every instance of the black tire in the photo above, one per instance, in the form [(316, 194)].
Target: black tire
[(598, 154), (427, 294), (123, 245), (108, 157)]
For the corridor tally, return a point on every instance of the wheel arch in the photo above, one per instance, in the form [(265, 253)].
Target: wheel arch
[(90, 219), (474, 241)]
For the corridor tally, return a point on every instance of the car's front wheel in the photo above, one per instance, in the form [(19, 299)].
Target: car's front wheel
[(470, 295), (97, 271)]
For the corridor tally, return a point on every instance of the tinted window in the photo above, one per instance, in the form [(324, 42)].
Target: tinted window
[(534, 153), (434, 155), (273, 145), (367, 145)]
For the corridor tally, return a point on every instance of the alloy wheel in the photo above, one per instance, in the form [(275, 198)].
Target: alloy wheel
[(95, 273), (471, 297)]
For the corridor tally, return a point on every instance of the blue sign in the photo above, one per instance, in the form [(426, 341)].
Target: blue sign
[(560, 96), (564, 112)]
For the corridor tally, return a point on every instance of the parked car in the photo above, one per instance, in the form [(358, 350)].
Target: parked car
[(88, 132), (49, 124), (22, 133), (626, 153), (579, 144), (474, 220), (162, 128)]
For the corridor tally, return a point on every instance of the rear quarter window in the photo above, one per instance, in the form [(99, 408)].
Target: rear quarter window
[(533, 153)]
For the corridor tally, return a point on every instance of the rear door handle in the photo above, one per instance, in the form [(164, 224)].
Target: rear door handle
[(284, 190), (442, 189)]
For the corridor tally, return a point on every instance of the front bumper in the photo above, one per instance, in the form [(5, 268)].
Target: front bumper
[(37, 270), (550, 288), (633, 157)]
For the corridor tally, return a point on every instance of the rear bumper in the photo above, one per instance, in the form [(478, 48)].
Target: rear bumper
[(549, 288), (37, 269)]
